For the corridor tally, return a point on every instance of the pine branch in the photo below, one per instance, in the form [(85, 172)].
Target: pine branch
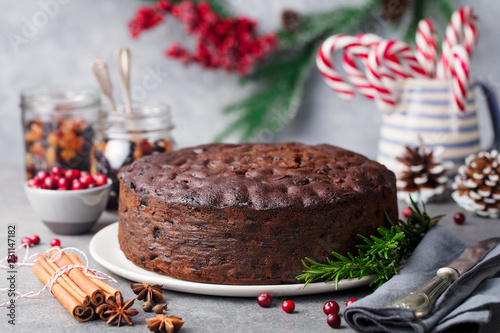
[(318, 26), (418, 13), (218, 7), (379, 256), (445, 7), (282, 78), (270, 108)]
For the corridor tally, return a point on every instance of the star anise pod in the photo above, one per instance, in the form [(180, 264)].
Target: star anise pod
[(119, 310), (164, 324), (149, 293)]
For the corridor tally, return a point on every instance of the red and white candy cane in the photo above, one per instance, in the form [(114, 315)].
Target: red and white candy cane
[(370, 40), (325, 66), (463, 23), (377, 59), (359, 52), (426, 45), (355, 75), (460, 76), (353, 53)]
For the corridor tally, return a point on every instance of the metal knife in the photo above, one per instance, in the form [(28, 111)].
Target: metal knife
[(422, 300)]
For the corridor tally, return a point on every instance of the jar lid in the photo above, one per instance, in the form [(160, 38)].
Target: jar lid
[(59, 98)]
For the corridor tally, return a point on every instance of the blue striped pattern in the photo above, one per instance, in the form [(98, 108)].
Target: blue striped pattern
[(463, 129), (456, 160), (461, 116), (436, 102), (425, 90), (464, 144), (422, 110)]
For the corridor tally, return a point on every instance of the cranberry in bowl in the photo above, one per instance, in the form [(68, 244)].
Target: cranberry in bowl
[(68, 202)]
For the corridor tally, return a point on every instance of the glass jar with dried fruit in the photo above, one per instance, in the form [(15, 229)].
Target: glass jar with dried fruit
[(58, 125), (121, 138)]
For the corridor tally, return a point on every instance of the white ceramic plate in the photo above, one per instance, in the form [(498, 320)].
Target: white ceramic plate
[(105, 249)]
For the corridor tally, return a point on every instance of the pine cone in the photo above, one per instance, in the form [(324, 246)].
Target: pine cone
[(394, 9), (477, 187), (291, 20), (421, 176)]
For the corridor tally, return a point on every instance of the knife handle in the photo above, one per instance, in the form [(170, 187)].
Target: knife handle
[(423, 299)]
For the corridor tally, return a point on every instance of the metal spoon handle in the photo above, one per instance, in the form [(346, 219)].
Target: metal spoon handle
[(100, 70), (124, 60)]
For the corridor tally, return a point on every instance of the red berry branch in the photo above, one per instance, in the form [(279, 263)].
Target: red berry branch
[(146, 18), (228, 43), (232, 43)]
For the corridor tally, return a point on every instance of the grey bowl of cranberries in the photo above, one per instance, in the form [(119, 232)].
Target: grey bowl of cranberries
[(68, 202)]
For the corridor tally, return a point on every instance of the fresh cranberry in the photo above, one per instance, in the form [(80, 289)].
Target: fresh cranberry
[(27, 241), (459, 218), (37, 180), (50, 182), (85, 174), (100, 179), (264, 300), (86, 180), (288, 306), (12, 259), (77, 185), (72, 174), (33, 183), (407, 212), (35, 239), (333, 320), (55, 242), (164, 5), (63, 184), (56, 171), (42, 174), (331, 307), (350, 301)]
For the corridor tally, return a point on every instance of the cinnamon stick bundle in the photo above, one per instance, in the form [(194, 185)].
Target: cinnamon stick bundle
[(75, 308), (101, 311), (81, 295), (64, 280), (109, 291), (92, 290)]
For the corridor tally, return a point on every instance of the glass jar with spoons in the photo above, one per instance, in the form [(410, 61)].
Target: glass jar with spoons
[(128, 132)]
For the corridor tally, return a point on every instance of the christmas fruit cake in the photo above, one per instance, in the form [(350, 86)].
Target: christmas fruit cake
[(248, 213)]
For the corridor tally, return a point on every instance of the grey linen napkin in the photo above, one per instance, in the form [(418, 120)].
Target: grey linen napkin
[(463, 307)]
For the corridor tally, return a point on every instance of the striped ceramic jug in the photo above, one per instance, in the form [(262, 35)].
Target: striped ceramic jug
[(424, 113)]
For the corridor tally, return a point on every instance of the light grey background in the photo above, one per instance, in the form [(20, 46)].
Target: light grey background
[(63, 44)]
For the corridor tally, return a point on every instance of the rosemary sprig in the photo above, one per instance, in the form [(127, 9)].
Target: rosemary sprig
[(380, 256)]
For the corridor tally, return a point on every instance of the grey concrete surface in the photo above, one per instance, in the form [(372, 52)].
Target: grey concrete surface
[(201, 313)]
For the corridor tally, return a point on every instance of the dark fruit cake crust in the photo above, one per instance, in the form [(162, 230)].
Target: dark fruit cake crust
[(248, 213)]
